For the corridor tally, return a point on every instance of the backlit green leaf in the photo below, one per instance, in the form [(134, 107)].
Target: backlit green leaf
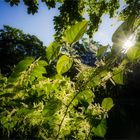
[(118, 76), (38, 70), (73, 34), (123, 31), (101, 51), (86, 96), (42, 63), (53, 50), (64, 64), (100, 130), (107, 103), (134, 52)]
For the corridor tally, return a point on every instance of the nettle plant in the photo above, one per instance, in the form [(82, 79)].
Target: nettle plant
[(33, 105)]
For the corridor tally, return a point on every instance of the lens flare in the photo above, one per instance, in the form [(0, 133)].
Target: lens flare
[(128, 43)]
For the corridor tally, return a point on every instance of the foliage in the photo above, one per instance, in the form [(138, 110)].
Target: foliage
[(64, 64), (132, 8), (73, 11), (32, 6), (36, 106), (52, 51), (118, 76), (125, 30), (101, 51), (70, 13), (86, 50), (100, 130), (107, 103), (134, 52), (73, 34), (47, 106), (15, 45)]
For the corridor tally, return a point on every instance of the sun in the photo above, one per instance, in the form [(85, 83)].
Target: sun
[(128, 43)]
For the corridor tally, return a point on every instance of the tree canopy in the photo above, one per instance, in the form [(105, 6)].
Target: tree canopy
[(72, 11), (15, 45)]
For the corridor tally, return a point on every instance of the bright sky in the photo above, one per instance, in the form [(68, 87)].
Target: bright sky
[(41, 24)]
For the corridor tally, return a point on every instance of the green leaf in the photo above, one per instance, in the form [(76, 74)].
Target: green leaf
[(107, 103), (23, 65), (52, 106), (38, 70), (94, 81), (100, 130), (64, 64), (101, 51), (123, 31), (118, 76), (86, 96), (53, 51), (73, 34), (134, 52), (42, 63)]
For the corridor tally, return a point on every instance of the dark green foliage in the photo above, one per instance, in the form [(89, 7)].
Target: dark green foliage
[(133, 8), (73, 11), (96, 9), (32, 5), (86, 51), (52, 51), (15, 45)]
